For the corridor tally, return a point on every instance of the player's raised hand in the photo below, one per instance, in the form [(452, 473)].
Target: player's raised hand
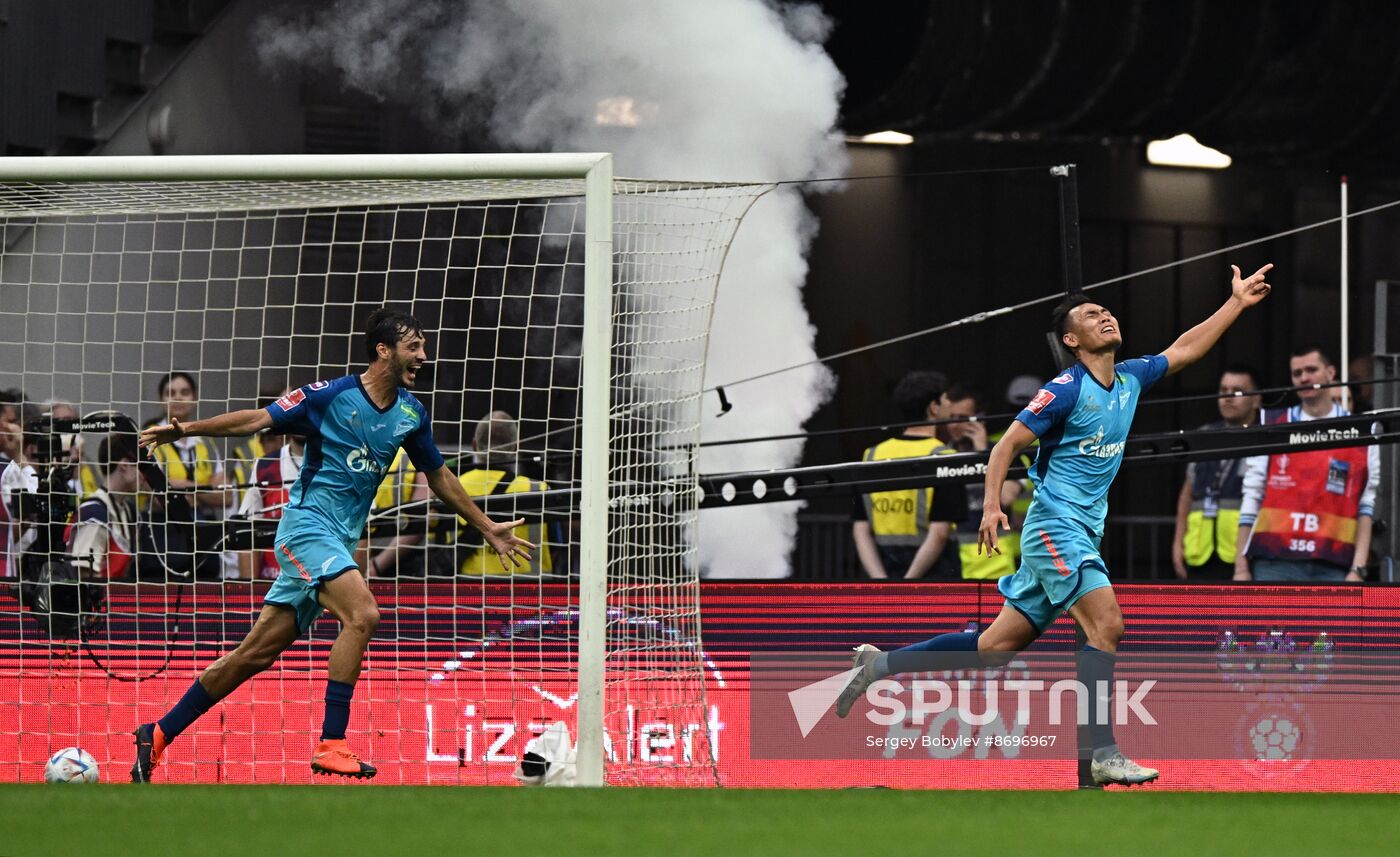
[(502, 539), (987, 533), (167, 433), (1252, 289)]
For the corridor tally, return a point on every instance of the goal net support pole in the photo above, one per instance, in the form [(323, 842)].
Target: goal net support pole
[(597, 373)]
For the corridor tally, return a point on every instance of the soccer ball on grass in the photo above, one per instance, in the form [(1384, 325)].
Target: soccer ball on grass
[(71, 765)]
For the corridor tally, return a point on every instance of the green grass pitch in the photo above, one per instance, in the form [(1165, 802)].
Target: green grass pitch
[(262, 821)]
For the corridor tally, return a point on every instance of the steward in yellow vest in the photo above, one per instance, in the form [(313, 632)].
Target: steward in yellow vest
[(190, 462), (1213, 516), (195, 461), (244, 458), (494, 442), (403, 554), (901, 521), (478, 559), (965, 402), (983, 566), (1204, 544)]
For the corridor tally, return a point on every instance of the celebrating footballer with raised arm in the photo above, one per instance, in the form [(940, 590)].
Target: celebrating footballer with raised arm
[(1081, 419), (353, 426)]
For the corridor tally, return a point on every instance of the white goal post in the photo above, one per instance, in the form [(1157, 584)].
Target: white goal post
[(651, 257)]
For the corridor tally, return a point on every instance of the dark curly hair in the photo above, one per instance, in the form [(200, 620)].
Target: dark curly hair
[(388, 326), (915, 390)]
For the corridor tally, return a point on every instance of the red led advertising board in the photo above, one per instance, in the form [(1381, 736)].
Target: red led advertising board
[(426, 712)]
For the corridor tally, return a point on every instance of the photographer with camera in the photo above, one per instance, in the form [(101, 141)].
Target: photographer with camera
[(22, 490), (102, 540), (193, 465), (39, 496), (11, 447)]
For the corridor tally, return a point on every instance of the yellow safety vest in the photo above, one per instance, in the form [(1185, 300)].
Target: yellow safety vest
[(89, 480), (1207, 536), (397, 487), (245, 459), (168, 456), (1213, 523), (900, 518), (483, 560), (981, 566), (1010, 542)]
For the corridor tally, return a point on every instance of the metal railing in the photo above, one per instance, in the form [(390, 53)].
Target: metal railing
[(1136, 547)]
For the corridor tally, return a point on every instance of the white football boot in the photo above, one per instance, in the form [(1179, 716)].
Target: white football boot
[(1119, 770), (864, 675)]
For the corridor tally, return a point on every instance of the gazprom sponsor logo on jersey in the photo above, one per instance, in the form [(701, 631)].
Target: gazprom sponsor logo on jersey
[(360, 461), (1322, 436), (1095, 447)]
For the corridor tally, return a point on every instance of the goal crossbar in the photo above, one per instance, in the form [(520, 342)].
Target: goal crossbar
[(123, 168)]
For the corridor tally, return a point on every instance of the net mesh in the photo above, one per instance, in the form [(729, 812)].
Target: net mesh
[(254, 288)]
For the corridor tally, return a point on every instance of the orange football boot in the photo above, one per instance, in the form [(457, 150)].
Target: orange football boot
[(150, 743), (333, 756)]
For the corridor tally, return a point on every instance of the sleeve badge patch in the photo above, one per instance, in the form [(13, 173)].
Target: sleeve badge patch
[(1062, 379), (292, 399), (1043, 398)]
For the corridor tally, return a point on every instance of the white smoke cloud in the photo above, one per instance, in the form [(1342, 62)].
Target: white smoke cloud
[(724, 90)]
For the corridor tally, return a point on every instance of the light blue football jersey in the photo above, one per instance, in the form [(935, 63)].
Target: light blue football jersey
[(1083, 428), (350, 445)]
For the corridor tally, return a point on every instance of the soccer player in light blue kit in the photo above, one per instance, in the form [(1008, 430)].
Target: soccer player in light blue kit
[(354, 426), (1082, 419)]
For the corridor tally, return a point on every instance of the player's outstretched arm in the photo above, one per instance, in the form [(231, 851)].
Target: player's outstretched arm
[(1017, 438), (501, 537), (234, 424), (1192, 345)]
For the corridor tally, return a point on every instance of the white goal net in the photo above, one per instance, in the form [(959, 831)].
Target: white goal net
[(192, 287)]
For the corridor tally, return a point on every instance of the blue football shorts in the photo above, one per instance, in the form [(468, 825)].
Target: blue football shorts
[(307, 560), (1060, 564)]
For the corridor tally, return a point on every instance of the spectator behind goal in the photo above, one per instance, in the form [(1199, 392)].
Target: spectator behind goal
[(905, 533), (102, 541), (1208, 506), (495, 446), (965, 402), (191, 463), (1306, 517)]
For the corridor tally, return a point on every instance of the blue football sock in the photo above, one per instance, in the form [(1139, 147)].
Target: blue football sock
[(944, 652), (191, 706), (338, 695), (1092, 667)]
